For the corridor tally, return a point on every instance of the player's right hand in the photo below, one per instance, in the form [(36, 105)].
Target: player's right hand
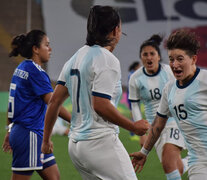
[(141, 127), (6, 145), (47, 147), (138, 161)]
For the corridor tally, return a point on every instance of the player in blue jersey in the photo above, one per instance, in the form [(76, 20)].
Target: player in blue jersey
[(186, 100), (146, 85), (30, 91), (92, 77)]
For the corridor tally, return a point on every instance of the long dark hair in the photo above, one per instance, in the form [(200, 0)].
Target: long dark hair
[(101, 21), (23, 43), (153, 41)]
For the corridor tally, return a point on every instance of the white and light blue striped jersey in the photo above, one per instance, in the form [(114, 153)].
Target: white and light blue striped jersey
[(188, 105), (91, 71), (26, 106), (148, 89)]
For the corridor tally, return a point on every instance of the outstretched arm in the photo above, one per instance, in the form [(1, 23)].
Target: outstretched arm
[(105, 109), (139, 158)]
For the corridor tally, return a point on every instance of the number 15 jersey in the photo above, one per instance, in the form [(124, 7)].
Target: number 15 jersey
[(188, 105)]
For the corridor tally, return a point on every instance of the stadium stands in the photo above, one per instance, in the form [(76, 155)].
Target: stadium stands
[(13, 22)]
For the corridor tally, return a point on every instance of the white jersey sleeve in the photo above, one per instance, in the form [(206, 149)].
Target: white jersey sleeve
[(61, 78), (133, 90), (106, 76)]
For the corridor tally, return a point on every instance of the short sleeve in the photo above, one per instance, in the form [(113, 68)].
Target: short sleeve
[(104, 83), (39, 80), (61, 78), (106, 75)]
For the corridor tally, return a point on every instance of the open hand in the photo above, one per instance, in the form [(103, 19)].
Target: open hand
[(138, 161)]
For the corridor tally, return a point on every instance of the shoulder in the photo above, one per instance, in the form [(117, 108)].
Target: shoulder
[(138, 73), (203, 72), (105, 59), (31, 66), (165, 67), (136, 76), (169, 85)]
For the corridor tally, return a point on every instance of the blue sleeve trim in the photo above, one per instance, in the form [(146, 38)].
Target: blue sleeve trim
[(134, 100), (101, 95), (61, 83), (161, 115)]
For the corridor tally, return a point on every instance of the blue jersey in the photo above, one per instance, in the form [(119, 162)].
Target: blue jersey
[(26, 107), (188, 105), (91, 71)]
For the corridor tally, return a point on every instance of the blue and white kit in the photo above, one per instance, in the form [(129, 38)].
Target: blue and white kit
[(95, 71), (148, 89), (188, 105)]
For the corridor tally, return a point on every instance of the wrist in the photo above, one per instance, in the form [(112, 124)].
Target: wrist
[(144, 151), (8, 128)]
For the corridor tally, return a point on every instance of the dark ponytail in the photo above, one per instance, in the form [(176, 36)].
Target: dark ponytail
[(23, 44), (153, 41)]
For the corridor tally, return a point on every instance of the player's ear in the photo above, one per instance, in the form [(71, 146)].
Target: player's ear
[(194, 59), (35, 50)]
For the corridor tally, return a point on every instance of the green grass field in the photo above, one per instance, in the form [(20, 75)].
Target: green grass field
[(151, 171)]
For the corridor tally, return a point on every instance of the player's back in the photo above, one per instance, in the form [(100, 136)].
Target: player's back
[(82, 71)]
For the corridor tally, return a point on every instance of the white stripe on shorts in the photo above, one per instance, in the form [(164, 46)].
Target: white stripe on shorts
[(33, 150)]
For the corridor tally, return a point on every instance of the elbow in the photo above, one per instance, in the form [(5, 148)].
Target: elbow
[(97, 109)]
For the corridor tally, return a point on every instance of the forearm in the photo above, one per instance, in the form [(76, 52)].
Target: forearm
[(64, 114), (50, 119), (155, 131), (106, 110)]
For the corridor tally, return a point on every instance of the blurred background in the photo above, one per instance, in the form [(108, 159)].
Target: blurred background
[(64, 21)]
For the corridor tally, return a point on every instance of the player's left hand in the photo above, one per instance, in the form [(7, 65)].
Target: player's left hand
[(47, 147)]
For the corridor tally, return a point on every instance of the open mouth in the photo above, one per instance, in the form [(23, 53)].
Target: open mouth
[(177, 72), (149, 63)]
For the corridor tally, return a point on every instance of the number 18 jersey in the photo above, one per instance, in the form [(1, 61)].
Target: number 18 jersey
[(148, 88)]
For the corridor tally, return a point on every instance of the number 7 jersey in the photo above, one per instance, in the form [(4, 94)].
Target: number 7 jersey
[(91, 71), (188, 105)]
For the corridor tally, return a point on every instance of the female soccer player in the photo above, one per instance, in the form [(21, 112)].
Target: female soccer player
[(92, 78), (30, 91), (185, 99), (146, 86)]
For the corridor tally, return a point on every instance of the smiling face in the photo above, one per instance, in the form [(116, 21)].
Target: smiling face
[(183, 66), (150, 59)]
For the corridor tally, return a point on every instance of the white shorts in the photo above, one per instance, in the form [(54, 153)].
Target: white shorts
[(198, 172), (172, 135), (104, 158)]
